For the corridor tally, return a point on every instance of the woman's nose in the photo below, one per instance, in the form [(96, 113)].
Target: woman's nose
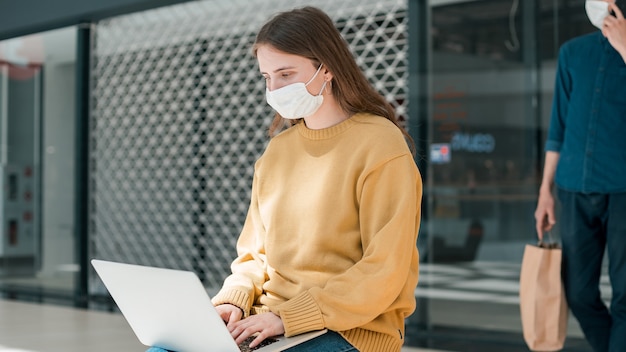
[(272, 85)]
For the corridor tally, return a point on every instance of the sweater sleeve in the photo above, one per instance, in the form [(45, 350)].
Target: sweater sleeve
[(384, 279), (249, 268)]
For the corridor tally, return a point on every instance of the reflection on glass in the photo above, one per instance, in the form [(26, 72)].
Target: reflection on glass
[(492, 77)]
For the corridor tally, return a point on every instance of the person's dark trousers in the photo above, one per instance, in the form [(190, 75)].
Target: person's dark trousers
[(589, 224)]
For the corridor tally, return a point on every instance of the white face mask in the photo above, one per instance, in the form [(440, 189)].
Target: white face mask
[(294, 101), (597, 10)]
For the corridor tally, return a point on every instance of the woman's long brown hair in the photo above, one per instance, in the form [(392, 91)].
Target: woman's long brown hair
[(310, 33)]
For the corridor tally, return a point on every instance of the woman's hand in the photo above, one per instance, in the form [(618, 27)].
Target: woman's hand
[(229, 313), (265, 324)]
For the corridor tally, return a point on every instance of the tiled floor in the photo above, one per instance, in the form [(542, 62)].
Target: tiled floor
[(46, 328), (31, 327)]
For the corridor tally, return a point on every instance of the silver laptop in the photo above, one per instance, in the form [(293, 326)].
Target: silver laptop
[(171, 309)]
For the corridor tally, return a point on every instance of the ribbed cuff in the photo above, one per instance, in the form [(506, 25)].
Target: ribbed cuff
[(300, 314), (235, 297)]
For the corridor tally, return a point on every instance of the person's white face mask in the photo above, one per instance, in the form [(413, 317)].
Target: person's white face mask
[(294, 101), (597, 10)]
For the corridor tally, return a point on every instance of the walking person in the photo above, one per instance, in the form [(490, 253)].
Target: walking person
[(586, 162)]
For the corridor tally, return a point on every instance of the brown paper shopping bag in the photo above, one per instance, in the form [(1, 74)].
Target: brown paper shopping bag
[(543, 306)]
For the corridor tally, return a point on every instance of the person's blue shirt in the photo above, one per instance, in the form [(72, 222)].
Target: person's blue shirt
[(588, 123)]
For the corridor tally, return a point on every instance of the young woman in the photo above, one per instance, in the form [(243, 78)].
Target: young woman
[(330, 237)]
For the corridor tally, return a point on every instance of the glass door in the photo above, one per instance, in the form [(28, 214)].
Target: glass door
[(37, 79), (21, 90), (491, 77)]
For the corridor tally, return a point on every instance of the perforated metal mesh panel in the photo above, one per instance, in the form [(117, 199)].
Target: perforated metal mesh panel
[(179, 118)]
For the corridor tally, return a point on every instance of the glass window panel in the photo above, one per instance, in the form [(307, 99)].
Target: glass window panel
[(37, 138), (492, 74)]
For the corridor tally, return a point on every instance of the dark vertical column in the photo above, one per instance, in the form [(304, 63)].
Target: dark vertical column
[(199, 238), (82, 148), (39, 162), (532, 65), (419, 125), (418, 64)]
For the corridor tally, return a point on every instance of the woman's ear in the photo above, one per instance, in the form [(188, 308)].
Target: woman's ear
[(328, 76)]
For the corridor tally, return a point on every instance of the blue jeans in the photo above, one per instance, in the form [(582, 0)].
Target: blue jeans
[(328, 342), (591, 223)]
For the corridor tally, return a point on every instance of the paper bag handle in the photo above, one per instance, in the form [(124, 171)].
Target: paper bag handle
[(548, 245)]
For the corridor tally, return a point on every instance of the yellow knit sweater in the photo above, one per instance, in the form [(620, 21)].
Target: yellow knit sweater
[(330, 236)]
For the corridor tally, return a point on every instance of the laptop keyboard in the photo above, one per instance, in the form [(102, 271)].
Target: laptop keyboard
[(245, 345)]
